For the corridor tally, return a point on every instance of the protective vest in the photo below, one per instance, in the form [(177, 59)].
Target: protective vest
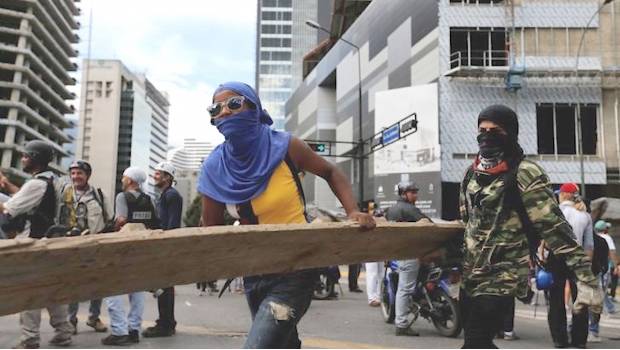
[(140, 210), (74, 213), (43, 216)]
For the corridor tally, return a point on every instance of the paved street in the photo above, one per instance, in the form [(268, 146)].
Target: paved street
[(206, 322)]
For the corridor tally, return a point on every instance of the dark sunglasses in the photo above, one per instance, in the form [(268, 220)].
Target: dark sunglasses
[(233, 103)]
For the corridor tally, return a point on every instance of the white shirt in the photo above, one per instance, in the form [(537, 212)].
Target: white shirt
[(581, 222), (28, 197)]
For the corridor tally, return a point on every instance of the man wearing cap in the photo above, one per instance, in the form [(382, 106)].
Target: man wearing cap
[(169, 208), (35, 202), (82, 211), (581, 225), (601, 229), (504, 196), (132, 206), (405, 211)]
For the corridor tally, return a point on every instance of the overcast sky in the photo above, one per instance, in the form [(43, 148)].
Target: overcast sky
[(185, 47)]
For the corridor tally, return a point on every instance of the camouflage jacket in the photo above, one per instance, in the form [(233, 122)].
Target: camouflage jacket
[(496, 255)]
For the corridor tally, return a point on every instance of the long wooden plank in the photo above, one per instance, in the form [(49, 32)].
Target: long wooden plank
[(34, 274)]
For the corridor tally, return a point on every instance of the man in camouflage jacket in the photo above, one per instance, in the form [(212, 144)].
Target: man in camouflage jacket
[(496, 250)]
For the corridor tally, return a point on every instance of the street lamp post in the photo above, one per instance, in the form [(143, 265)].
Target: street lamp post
[(360, 142), (580, 130)]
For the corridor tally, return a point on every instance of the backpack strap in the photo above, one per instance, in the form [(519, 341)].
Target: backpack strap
[(468, 175), (100, 199), (514, 200), (300, 189)]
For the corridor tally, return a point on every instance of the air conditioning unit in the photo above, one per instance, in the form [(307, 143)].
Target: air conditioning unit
[(514, 78)]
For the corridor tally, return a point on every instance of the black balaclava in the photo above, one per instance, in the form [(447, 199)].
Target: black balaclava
[(494, 145)]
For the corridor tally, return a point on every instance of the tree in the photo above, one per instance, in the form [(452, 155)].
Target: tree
[(192, 215)]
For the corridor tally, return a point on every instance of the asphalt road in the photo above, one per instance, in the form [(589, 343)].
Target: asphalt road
[(208, 322)]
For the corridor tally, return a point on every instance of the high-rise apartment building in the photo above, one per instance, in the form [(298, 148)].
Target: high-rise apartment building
[(123, 122), (188, 162), (37, 41), (273, 56), (191, 155)]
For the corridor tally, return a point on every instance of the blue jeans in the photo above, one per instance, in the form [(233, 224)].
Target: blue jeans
[(93, 311), (119, 323), (407, 279), (277, 303)]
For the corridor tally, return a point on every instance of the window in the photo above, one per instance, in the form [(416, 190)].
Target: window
[(275, 29), (275, 56), (478, 47), (276, 16), (275, 42), (476, 1), (557, 128), (275, 69)]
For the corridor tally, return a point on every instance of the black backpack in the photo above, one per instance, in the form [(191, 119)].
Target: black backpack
[(600, 258)]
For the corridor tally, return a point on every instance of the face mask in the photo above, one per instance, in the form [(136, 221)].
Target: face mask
[(237, 125), (239, 130), (492, 144)]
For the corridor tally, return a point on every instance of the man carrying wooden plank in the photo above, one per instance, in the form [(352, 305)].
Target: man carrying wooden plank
[(35, 202), (132, 206), (254, 176)]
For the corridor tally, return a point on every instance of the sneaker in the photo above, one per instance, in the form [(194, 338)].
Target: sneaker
[(374, 303), (356, 290), (134, 336), (157, 331), (593, 338), (26, 345), (97, 325), (510, 336), (117, 340), (73, 323), (406, 331), (61, 339)]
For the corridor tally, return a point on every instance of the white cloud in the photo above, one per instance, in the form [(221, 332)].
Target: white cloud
[(185, 47)]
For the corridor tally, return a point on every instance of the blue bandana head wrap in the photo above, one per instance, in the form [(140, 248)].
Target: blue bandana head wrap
[(239, 169)]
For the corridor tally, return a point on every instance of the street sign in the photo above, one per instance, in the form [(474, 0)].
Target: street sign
[(318, 147), (391, 134)]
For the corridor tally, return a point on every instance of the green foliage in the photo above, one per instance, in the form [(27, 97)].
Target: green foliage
[(192, 215)]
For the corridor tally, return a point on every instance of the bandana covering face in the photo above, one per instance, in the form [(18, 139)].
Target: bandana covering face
[(239, 169)]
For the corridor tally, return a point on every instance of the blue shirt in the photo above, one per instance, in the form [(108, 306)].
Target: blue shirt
[(169, 208)]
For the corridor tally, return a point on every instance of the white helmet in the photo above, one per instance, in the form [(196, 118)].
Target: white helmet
[(166, 167), (136, 174)]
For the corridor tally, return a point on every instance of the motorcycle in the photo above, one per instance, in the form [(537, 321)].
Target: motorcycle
[(435, 297), (325, 285)]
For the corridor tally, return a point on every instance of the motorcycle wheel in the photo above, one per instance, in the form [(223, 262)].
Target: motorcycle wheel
[(448, 320), (322, 289), (388, 309)]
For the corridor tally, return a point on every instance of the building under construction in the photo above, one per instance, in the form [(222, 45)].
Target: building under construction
[(440, 63), (37, 40)]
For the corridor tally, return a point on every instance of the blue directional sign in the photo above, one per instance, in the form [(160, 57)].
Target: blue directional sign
[(391, 134)]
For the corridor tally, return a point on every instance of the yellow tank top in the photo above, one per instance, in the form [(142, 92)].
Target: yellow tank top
[(281, 202)]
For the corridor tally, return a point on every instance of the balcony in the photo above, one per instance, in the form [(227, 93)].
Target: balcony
[(478, 63)]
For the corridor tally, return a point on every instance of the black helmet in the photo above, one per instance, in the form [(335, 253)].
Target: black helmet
[(406, 186), (80, 164), (41, 152)]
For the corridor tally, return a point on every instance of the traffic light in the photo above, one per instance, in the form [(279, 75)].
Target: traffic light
[(318, 147)]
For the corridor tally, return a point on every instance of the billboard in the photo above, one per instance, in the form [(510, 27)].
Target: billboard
[(415, 157)]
